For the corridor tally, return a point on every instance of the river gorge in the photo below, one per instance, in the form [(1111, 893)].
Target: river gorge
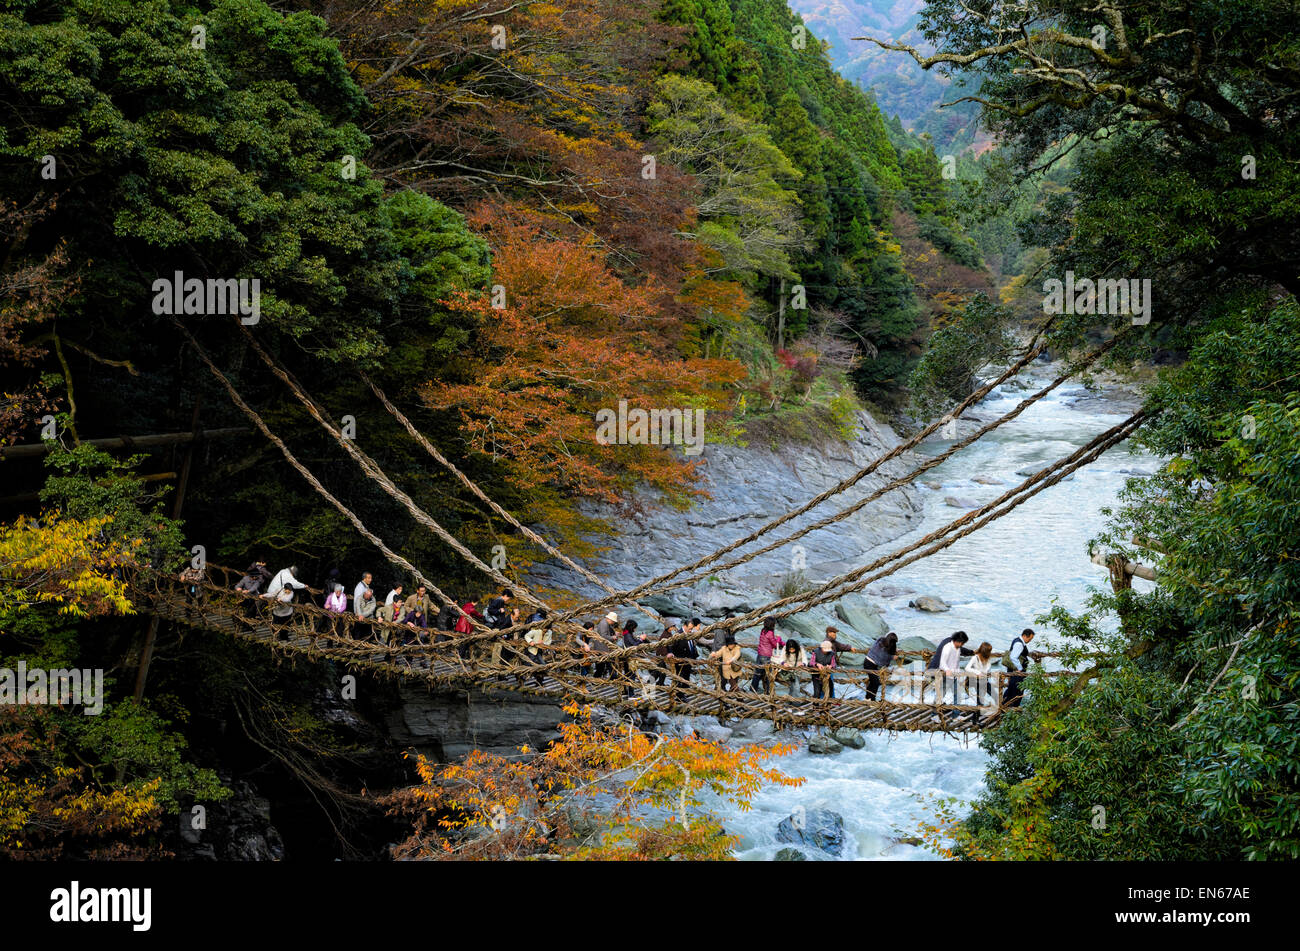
[(996, 582)]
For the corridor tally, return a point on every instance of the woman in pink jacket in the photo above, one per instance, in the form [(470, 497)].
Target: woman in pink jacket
[(768, 644)]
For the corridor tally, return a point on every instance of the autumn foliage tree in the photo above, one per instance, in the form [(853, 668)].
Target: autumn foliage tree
[(598, 792), (49, 810), (572, 338)]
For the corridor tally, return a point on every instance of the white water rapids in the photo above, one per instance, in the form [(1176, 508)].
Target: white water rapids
[(996, 580)]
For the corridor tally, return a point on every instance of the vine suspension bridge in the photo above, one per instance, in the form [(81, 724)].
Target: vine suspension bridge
[(490, 658)]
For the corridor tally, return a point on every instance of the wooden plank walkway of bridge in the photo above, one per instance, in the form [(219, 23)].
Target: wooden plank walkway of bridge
[(310, 631)]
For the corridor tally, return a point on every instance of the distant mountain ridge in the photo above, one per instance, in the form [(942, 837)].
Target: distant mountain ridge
[(900, 86)]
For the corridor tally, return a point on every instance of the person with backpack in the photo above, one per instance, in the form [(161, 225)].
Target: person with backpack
[(603, 640), (768, 643), (498, 610), (192, 578), (881, 655), (582, 641), (1016, 660)]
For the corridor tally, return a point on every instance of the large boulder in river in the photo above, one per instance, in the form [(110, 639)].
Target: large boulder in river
[(819, 828), (847, 736), (929, 603), (809, 628), (916, 643), (861, 615), (790, 855), (824, 744)]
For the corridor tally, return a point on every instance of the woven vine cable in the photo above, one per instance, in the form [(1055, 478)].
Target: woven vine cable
[(846, 483), (473, 487), (380, 478), (1032, 485), (902, 480), (1114, 438), (302, 470), (624, 597)]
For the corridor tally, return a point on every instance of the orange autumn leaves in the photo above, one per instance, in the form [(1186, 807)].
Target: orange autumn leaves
[(573, 338), (597, 792)]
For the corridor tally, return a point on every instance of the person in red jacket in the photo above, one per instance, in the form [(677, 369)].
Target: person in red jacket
[(465, 626), (768, 644)]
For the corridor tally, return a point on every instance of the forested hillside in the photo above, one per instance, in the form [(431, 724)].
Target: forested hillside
[(508, 216)]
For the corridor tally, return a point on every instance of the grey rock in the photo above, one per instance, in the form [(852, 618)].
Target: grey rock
[(716, 601), (753, 731), (861, 615), (714, 732), (916, 643), (929, 603), (810, 626), (890, 591), (823, 745), (819, 828), (959, 503), (747, 486), (988, 480), (447, 724), (239, 829), (667, 605), (936, 486), (790, 855), (847, 736)]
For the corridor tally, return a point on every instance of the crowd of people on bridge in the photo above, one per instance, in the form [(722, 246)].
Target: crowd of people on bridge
[(411, 618)]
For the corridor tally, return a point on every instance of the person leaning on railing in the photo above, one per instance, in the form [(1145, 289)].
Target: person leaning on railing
[(880, 656), (823, 662), (536, 638), (249, 586), (729, 663), (791, 662)]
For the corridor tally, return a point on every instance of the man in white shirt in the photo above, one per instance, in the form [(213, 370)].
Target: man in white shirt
[(362, 586), (950, 663), (394, 595), (275, 592), (285, 577)]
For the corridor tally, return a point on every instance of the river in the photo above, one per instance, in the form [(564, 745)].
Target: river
[(997, 581)]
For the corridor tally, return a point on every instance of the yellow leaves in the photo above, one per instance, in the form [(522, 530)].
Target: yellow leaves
[(65, 562)]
